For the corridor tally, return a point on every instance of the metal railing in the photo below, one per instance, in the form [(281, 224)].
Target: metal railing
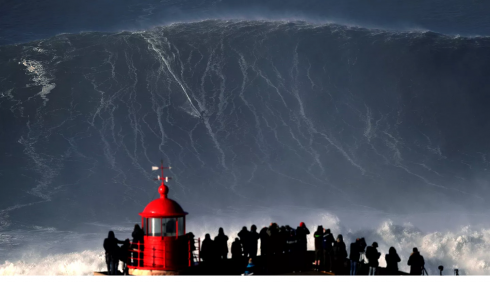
[(139, 255)]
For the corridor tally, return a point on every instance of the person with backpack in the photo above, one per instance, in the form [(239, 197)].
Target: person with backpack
[(373, 255), (318, 237)]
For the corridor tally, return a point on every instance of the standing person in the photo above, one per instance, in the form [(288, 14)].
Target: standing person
[(244, 239), (373, 255), (362, 255), (190, 239), (254, 239), (273, 232), (328, 242), (340, 254), (264, 242), (354, 256), (221, 242), (124, 255), (318, 237), (207, 248), (112, 252), (392, 260), (236, 250), (301, 236), (416, 262), (292, 250), (138, 245)]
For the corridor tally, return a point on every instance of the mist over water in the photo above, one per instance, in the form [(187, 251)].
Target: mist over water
[(370, 132)]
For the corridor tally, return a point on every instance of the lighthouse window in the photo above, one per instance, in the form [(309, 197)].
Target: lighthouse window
[(154, 227), (169, 226), (180, 226)]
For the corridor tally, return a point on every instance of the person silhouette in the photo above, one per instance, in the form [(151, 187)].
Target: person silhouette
[(138, 245), (244, 238), (373, 255), (354, 256), (340, 254), (318, 237), (392, 260), (221, 243), (416, 262), (253, 240), (328, 242), (236, 250), (301, 236), (207, 248), (264, 242), (112, 252), (124, 255)]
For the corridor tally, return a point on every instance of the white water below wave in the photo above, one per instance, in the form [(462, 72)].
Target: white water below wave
[(467, 249)]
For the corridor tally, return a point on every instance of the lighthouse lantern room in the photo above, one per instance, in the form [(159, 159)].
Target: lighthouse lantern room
[(166, 247)]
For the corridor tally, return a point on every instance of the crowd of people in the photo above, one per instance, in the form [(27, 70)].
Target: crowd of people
[(284, 244), (124, 253), (330, 254)]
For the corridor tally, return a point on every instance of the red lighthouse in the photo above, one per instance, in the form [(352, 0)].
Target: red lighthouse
[(166, 248)]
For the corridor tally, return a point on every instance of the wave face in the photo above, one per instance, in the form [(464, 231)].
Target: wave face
[(253, 116)]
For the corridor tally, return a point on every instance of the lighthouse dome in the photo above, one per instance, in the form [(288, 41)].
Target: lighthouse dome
[(163, 207)]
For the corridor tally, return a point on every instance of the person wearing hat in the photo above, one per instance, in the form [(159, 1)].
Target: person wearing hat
[(373, 255)]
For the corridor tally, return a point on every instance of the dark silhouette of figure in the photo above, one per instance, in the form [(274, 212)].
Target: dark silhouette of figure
[(301, 236), (318, 237), (190, 238), (354, 256), (138, 241), (275, 244), (292, 250), (328, 242), (264, 242), (362, 254), (340, 254), (207, 250), (392, 260), (245, 240), (254, 238), (373, 255), (416, 262), (236, 250), (221, 243), (124, 255), (112, 252), (283, 237)]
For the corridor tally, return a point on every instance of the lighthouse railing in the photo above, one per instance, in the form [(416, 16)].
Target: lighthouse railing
[(157, 257)]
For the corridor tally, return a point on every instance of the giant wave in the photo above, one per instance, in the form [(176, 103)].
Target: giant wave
[(252, 116)]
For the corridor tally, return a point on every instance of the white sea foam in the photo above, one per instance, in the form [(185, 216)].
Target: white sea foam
[(82, 263), (467, 249), (40, 77)]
